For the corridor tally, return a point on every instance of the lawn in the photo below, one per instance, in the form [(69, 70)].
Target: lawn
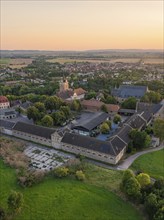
[(66, 199), (151, 163), (4, 61)]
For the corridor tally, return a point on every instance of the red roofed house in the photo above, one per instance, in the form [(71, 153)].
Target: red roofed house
[(95, 105), (4, 102)]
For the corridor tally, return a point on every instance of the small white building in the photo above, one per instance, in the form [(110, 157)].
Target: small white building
[(4, 102)]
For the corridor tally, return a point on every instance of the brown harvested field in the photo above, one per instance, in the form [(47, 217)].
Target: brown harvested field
[(154, 61), (19, 62), (69, 60)]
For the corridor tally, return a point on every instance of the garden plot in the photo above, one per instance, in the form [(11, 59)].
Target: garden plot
[(45, 158)]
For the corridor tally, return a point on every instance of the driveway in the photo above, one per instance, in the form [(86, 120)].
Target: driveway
[(127, 162)]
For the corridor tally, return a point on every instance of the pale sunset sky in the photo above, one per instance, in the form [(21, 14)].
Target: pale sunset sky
[(81, 25)]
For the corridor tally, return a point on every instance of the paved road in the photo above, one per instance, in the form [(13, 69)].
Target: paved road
[(127, 162)]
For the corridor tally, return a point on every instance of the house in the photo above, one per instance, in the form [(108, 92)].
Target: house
[(95, 105), (126, 91), (6, 126), (89, 126), (153, 110), (8, 113), (4, 102), (93, 148)]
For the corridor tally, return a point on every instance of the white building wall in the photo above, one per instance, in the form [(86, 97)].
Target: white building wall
[(89, 153)]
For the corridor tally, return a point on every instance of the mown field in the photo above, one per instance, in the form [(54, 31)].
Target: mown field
[(151, 163), (123, 60), (67, 199)]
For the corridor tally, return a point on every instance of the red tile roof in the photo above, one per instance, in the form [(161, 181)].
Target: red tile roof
[(3, 99)]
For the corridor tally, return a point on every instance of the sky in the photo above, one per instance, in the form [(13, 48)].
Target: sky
[(81, 25)]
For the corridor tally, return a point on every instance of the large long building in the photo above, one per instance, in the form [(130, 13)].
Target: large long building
[(110, 151), (126, 91)]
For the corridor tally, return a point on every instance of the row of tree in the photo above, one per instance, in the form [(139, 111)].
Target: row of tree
[(141, 190)]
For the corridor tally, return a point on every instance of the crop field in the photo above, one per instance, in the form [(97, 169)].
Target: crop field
[(16, 63), (151, 163), (154, 61), (65, 199)]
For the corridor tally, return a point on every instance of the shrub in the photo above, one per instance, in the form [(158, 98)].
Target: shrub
[(80, 175), (29, 178), (15, 202), (61, 172), (143, 179), (2, 214)]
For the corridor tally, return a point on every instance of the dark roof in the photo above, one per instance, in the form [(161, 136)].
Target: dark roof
[(117, 144), (131, 111), (6, 124), (146, 115), (26, 104), (152, 108), (93, 143), (123, 133), (125, 91), (34, 129), (93, 122), (7, 111), (136, 121)]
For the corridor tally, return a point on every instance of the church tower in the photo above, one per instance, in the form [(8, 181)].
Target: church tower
[(64, 85)]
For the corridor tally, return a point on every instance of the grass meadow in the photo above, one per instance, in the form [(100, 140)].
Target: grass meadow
[(151, 163), (68, 199)]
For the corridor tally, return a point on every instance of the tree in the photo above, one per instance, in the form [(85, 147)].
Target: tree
[(52, 103), (80, 175), (158, 128), (127, 175), (132, 188), (140, 139), (104, 128), (143, 179), (66, 111), (2, 214), (61, 172), (151, 204), (47, 121), (152, 97), (117, 119), (33, 113), (90, 95), (129, 103), (104, 108), (159, 215), (58, 117), (76, 105), (15, 201), (40, 106), (109, 123)]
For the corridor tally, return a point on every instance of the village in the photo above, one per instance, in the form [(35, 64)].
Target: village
[(83, 134)]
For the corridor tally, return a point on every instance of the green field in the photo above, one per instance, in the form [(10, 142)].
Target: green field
[(151, 163), (4, 61), (65, 199)]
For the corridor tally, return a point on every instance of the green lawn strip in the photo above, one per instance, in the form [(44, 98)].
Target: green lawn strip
[(151, 163), (64, 199), (4, 61)]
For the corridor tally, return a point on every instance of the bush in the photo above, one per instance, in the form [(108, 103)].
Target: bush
[(2, 214), (29, 178), (143, 179), (80, 175), (15, 202), (61, 172)]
